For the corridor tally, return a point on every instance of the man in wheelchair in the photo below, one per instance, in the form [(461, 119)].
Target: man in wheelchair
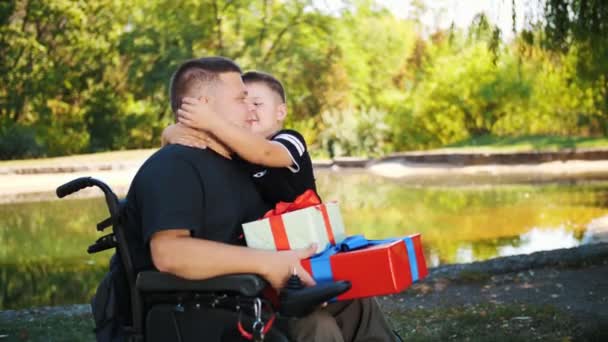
[(183, 216)]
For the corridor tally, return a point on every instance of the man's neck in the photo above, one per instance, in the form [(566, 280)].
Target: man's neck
[(218, 147)]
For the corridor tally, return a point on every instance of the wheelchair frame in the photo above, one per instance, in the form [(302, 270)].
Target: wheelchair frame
[(229, 291)]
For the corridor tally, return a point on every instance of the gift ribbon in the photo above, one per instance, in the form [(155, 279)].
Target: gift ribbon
[(321, 267), (277, 227), (328, 228), (307, 199)]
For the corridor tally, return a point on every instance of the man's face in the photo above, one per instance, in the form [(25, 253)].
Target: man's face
[(268, 109), (229, 99)]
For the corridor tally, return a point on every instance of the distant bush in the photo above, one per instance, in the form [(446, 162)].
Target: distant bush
[(355, 132), (18, 142)]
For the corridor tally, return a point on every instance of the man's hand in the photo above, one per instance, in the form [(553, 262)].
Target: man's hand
[(197, 114), (280, 266)]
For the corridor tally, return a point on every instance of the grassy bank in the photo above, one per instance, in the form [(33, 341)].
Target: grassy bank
[(48, 328), (470, 323), (527, 143), (486, 144)]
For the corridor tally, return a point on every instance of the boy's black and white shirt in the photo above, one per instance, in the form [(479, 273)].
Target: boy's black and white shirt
[(285, 183)]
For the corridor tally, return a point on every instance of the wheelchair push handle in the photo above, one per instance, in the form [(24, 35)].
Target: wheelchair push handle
[(85, 182), (74, 186)]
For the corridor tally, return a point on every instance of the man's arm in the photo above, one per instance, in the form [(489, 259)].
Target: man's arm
[(176, 252)]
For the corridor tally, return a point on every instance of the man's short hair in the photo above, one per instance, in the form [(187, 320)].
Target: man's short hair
[(269, 80), (197, 73)]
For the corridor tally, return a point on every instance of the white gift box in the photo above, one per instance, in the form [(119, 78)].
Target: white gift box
[(321, 224)]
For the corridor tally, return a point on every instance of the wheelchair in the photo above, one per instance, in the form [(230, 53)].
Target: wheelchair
[(154, 306)]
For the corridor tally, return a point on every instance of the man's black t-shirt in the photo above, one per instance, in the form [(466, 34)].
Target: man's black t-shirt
[(186, 188), (285, 183)]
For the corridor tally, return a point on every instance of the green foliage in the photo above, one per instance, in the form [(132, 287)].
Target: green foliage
[(55, 53), (354, 132), (466, 94), (529, 143), (17, 140), (43, 326), (93, 75)]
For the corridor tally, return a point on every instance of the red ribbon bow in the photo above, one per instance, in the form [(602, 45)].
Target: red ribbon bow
[(307, 199)]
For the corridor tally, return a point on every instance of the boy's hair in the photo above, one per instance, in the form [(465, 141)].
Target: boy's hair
[(269, 80), (196, 73)]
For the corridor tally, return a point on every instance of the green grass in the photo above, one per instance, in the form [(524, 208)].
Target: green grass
[(486, 143), (528, 143), (53, 328), (487, 322)]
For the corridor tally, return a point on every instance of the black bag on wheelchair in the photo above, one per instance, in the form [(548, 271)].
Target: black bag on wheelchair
[(110, 305)]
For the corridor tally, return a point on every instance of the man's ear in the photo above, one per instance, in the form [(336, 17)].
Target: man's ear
[(281, 112)]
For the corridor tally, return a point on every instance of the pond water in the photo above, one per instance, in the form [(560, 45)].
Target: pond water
[(43, 259)]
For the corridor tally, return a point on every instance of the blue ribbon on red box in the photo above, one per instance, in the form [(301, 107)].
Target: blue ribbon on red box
[(321, 269)]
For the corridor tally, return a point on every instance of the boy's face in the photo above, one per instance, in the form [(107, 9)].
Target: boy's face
[(268, 110)]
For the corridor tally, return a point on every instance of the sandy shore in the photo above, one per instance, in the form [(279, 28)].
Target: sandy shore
[(31, 187), (556, 170)]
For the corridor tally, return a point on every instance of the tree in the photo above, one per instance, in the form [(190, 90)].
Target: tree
[(55, 53), (581, 25)]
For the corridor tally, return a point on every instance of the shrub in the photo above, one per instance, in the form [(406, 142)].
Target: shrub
[(18, 142)]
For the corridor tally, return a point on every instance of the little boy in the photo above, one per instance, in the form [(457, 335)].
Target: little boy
[(278, 159)]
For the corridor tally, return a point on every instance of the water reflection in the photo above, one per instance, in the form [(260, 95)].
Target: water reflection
[(43, 258), (541, 239), (597, 231), (465, 223)]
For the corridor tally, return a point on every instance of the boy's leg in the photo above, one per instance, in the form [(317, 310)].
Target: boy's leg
[(355, 320), (362, 320)]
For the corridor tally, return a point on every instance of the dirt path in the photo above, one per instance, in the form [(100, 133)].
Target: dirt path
[(581, 292), (574, 291)]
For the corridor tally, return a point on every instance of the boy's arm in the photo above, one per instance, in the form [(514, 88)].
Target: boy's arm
[(252, 147), (249, 146), (184, 135)]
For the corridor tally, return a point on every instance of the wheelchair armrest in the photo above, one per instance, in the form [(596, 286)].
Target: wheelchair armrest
[(244, 284)]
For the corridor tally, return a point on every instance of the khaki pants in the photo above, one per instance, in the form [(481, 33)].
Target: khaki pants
[(358, 320)]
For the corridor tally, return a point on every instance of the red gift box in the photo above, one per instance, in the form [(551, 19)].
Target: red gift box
[(381, 268)]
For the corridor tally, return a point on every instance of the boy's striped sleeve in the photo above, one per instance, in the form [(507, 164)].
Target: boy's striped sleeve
[(294, 143)]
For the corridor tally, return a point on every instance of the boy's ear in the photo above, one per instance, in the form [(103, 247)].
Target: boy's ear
[(281, 112)]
